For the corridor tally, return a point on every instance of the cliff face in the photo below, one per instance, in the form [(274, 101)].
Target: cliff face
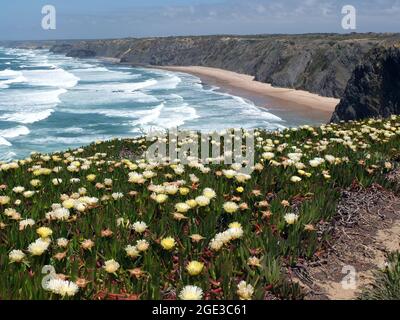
[(318, 63), (374, 87)]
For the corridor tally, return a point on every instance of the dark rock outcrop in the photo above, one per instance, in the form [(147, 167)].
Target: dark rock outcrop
[(374, 87), (319, 63)]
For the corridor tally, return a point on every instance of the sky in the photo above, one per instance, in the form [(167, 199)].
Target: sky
[(89, 19)]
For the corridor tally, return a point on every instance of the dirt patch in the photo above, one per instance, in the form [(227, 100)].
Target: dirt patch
[(365, 229)]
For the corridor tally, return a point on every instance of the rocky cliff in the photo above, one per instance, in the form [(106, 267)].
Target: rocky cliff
[(374, 87), (319, 63)]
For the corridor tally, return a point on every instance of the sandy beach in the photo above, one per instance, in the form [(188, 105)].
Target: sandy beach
[(280, 100)]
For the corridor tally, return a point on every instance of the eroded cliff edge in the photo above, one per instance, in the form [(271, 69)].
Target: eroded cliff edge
[(374, 87), (319, 63)]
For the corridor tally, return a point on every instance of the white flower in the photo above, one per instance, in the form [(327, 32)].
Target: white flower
[(135, 177), (149, 174), (111, 266), (58, 214), (117, 195), (316, 162), (182, 207), (230, 207), (295, 179), (62, 242), (142, 245), (108, 182), (241, 177), (26, 223), (202, 201), (28, 194), (191, 293), (268, 155), (56, 181), (38, 247), (62, 287), (216, 245), (245, 291), (16, 256), (229, 173), (132, 251), (209, 193), (331, 159), (139, 226), (171, 189), (18, 189), (235, 233), (291, 218)]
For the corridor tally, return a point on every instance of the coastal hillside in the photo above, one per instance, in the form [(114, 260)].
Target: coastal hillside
[(103, 222), (374, 88), (319, 63)]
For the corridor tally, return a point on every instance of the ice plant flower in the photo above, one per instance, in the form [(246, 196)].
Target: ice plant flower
[(161, 198), (111, 266), (182, 207), (62, 242), (295, 179), (191, 293), (16, 256), (44, 232), (168, 243), (4, 200), (245, 291), (194, 268), (142, 245), (87, 244), (62, 287), (209, 193), (291, 218), (139, 226), (132, 251), (202, 201), (38, 247), (230, 207), (91, 177)]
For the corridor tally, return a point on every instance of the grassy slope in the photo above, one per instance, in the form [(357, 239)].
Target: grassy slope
[(361, 151)]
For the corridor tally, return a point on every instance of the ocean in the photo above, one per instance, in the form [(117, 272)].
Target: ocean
[(50, 102)]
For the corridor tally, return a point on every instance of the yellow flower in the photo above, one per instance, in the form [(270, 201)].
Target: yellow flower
[(184, 191), (161, 198), (168, 243), (191, 203), (240, 189), (44, 232), (195, 268), (68, 204), (91, 177), (235, 225)]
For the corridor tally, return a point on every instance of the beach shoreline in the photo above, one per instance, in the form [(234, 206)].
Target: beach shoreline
[(278, 100)]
